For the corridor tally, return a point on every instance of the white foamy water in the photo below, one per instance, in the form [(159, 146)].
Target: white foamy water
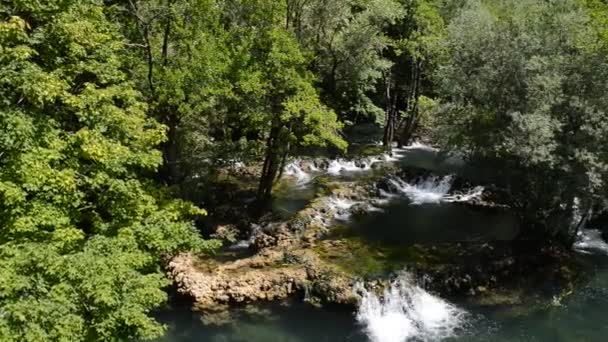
[(431, 190), (241, 244), (472, 194), (338, 166), (420, 146), (590, 241), (244, 244), (406, 312), (341, 206), (295, 170)]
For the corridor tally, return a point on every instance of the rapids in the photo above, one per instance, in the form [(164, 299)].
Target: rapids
[(406, 213), (405, 311)]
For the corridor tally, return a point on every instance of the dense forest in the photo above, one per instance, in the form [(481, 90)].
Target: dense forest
[(118, 117)]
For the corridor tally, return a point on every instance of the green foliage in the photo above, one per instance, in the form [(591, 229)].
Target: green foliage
[(82, 233), (416, 48), (428, 109), (523, 89), (221, 75), (346, 41), (598, 13)]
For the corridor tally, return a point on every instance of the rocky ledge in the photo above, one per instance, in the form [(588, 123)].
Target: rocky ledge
[(283, 264), (270, 275), (297, 258)]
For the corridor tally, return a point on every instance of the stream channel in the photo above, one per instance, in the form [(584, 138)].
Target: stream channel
[(420, 212)]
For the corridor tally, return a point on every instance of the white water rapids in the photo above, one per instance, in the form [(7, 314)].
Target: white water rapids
[(339, 166), (431, 190), (293, 169), (406, 312), (590, 241), (428, 190), (341, 207)]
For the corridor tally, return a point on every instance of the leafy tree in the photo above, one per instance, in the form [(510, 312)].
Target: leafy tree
[(345, 40), (524, 89), (82, 231), (417, 47), (273, 87), (230, 81), (179, 57), (598, 12)]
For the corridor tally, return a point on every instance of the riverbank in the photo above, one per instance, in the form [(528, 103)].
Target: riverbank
[(316, 256)]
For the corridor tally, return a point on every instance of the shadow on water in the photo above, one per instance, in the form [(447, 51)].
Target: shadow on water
[(290, 197), (579, 317), (291, 321), (432, 160), (405, 224)]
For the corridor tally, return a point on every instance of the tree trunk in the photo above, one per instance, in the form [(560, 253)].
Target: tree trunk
[(411, 121), (169, 171), (284, 157), (389, 121), (271, 164), (166, 34)]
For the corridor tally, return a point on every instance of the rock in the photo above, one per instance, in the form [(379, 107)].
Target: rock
[(235, 282), (360, 164), (227, 233)]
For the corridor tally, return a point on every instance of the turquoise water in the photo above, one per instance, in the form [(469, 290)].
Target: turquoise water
[(580, 317), (404, 224)]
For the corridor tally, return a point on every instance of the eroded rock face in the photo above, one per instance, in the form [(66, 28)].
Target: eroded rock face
[(270, 275), (288, 262), (242, 281)]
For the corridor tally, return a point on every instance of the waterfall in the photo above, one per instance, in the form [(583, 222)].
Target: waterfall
[(420, 146), (295, 170), (244, 244), (590, 241), (472, 194), (406, 312), (338, 166), (431, 190), (341, 206)]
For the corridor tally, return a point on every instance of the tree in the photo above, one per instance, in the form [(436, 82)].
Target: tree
[(227, 78), (416, 48), (82, 230), (346, 40), (178, 55), (598, 13), (524, 88), (274, 88), (295, 114)]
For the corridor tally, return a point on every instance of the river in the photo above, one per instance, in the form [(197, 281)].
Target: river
[(406, 312)]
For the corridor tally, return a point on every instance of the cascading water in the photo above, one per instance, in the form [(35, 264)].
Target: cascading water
[(406, 312), (431, 190), (244, 244), (590, 241), (295, 170), (341, 206), (420, 146), (472, 194), (338, 166)]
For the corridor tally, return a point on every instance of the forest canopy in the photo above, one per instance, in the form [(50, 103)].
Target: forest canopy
[(115, 115)]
